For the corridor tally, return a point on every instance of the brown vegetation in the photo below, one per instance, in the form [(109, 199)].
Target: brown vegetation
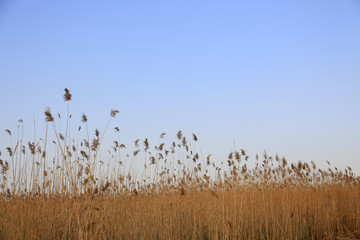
[(166, 192)]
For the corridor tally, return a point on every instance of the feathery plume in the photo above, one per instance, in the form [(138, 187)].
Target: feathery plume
[(113, 113), (48, 115), (179, 135), (67, 95), (146, 144), (83, 118)]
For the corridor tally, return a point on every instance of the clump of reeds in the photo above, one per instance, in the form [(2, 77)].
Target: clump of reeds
[(169, 184)]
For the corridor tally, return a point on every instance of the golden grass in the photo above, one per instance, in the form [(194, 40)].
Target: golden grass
[(176, 194), (330, 212)]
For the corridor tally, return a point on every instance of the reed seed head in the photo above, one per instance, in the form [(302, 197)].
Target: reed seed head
[(179, 135), (67, 95), (8, 131), (48, 115), (113, 113), (84, 118)]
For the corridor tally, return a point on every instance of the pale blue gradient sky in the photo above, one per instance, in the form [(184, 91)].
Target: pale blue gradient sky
[(281, 76)]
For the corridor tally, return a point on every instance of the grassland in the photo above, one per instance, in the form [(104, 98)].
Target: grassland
[(64, 189)]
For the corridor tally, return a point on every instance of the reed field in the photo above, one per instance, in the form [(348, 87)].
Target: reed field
[(61, 186)]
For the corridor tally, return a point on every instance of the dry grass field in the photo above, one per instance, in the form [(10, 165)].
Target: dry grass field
[(331, 212), (64, 189)]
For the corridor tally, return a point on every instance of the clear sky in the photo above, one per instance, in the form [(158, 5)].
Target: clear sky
[(281, 76)]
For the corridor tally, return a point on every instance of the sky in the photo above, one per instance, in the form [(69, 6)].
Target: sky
[(280, 76)]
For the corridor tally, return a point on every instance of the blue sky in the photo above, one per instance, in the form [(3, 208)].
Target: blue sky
[(281, 76)]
